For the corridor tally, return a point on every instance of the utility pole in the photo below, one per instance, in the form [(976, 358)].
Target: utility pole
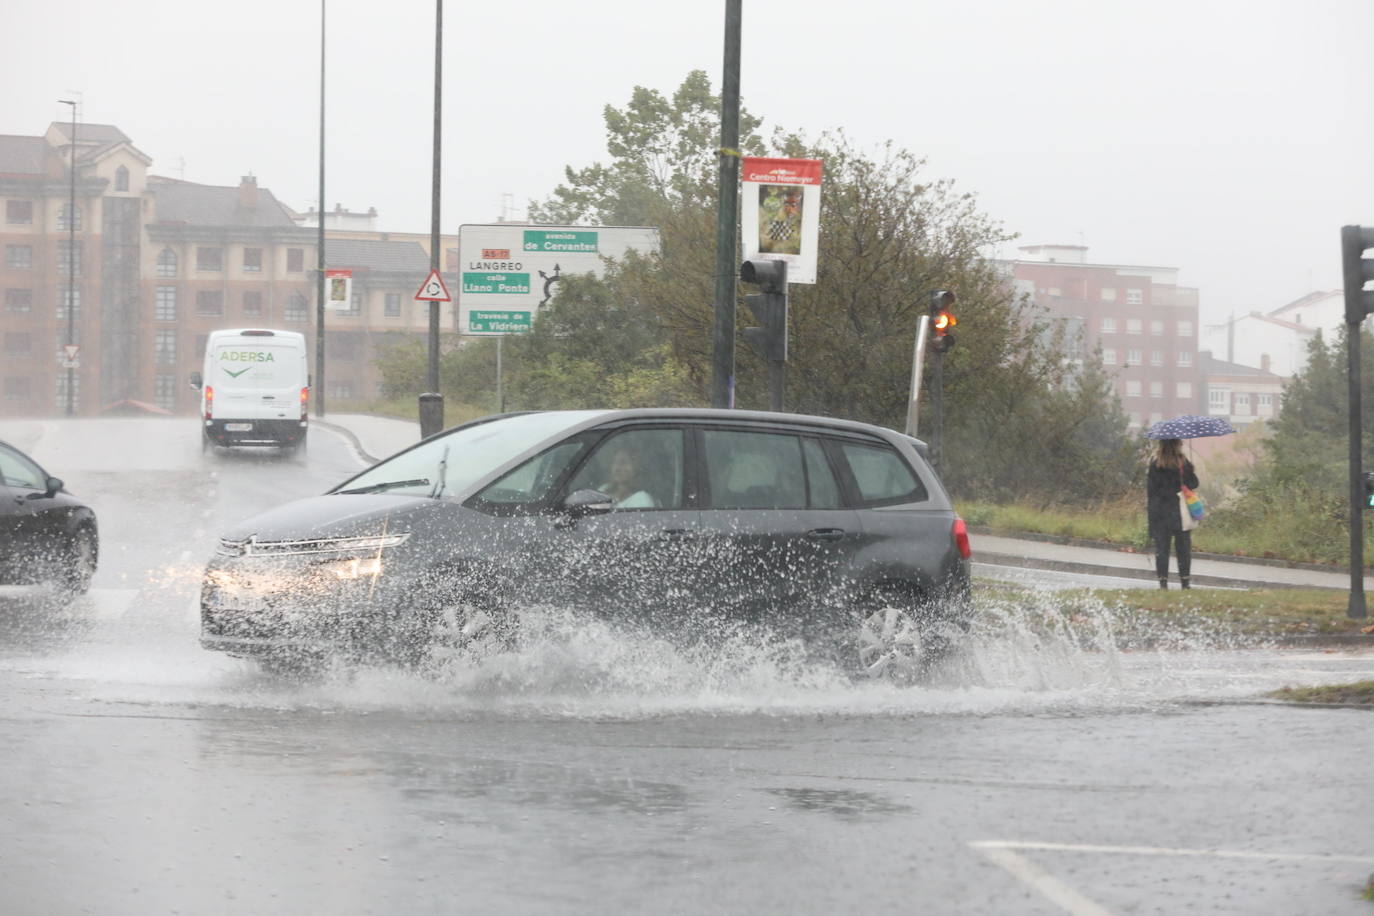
[(1357, 270), (432, 401), (319, 249), (71, 267), (727, 217)]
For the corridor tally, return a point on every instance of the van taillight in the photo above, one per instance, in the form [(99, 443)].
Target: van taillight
[(960, 534), (305, 401), (209, 401)]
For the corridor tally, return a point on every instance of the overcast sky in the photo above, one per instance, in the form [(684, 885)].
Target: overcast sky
[(1228, 139)]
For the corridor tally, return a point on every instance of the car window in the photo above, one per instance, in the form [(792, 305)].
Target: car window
[(637, 468), (532, 481), (19, 471), (881, 474), (750, 470)]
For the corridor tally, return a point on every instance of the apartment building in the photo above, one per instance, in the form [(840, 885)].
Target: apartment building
[(1142, 320)]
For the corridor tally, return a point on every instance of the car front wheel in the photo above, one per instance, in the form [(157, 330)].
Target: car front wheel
[(78, 566)]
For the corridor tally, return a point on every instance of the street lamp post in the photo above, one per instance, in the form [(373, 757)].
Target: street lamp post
[(71, 266), (432, 401)]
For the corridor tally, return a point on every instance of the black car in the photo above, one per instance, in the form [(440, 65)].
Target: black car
[(682, 519), (47, 536)]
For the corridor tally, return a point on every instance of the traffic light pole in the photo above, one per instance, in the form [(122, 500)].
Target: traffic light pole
[(918, 367), (727, 218), (1357, 270), (937, 411)]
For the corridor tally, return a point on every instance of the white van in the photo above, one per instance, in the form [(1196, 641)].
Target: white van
[(254, 388)]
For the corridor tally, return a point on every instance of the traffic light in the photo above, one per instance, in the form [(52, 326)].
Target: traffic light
[(769, 307), (1357, 270), (942, 320), (1368, 489)]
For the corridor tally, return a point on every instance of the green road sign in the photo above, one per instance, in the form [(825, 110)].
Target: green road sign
[(559, 240), (481, 322), (496, 284)]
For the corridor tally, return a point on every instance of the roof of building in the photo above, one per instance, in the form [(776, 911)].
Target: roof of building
[(409, 257), (22, 155), (1309, 299), (194, 204), (1210, 365), (103, 134)]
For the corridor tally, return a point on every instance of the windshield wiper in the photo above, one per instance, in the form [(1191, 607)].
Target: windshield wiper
[(389, 485), (443, 473)]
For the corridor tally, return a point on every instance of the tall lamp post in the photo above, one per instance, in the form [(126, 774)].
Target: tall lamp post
[(432, 401), (319, 249), (71, 267)]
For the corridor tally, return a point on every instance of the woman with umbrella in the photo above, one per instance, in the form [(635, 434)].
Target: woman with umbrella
[(1170, 471)]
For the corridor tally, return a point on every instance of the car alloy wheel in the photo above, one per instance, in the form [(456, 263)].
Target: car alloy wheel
[(79, 564), (890, 645)]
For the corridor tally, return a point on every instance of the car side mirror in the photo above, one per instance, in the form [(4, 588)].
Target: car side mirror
[(586, 502), (54, 484), (196, 380)]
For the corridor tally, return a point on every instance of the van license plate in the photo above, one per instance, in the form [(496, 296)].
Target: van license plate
[(238, 427)]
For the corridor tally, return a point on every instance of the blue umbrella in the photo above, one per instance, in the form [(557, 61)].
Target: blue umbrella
[(1189, 426)]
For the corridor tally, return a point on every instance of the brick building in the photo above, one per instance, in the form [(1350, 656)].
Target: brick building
[(1145, 324)]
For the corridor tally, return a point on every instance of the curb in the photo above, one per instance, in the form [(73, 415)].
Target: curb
[(1127, 548), (351, 436), (1126, 572)]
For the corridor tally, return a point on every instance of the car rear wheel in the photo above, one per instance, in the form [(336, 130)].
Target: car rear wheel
[(899, 635), (78, 565)]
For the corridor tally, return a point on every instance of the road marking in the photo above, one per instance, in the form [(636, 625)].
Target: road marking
[(1003, 852)]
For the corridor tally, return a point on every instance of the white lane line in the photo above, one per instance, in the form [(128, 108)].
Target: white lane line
[(1030, 874), (1170, 851)]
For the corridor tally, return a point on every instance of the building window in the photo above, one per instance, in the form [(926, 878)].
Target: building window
[(1185, 359), (1156, 389), (295, 260), (64, 218), (165, 303), (1108, 325), (1132, 325), (1133, 357), (1266, 402), (1109, 357), (165, 390), (252, 302), (1135, 297), (121, 179), (340, 390), (1133, 388), (1185, 329), (69, 258), (17, 389), (1242, 403), (1108, 294), (18, 344), (252, 260), (1184, 389), (61, 399), (19, 211), (69, 295), (355, 304), (165, 348), (19, 257), (1216, 398), (209, 302), (167, 263), (1157, 328), (18, 300), (393, 305), (1156, 358), (209, 258), (295, 308)]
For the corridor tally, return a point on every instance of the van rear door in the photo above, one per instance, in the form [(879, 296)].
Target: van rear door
[(256, 378)]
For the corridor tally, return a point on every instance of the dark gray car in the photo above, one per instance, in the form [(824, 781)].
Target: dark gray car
[(685, 520), (47, 535)]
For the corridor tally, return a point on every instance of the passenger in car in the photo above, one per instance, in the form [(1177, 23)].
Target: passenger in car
[(625, 486)]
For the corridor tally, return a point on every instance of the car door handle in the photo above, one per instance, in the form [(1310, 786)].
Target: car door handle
[(825, 534)]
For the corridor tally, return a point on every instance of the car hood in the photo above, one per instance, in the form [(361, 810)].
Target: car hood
[(334, 516)]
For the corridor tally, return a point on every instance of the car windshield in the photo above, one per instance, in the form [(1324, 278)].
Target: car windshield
[(464, 455)]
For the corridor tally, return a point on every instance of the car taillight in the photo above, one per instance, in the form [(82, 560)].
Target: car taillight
[(960, 534), (305, 401), (209, 401)]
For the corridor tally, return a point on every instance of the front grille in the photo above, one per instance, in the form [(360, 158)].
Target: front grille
[(252, 547)]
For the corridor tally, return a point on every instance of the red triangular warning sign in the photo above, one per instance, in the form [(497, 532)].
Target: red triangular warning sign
[(433, 289)]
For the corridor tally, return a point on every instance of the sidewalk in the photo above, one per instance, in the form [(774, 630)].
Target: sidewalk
[(376, 438)]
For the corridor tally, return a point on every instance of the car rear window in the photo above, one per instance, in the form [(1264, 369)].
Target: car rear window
[(881, 475), (751, 470)]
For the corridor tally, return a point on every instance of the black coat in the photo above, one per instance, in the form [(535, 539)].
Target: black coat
[(1161, 495)]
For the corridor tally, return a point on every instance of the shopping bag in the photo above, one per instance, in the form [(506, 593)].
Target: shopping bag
[(1185, 518), (1194, 502)]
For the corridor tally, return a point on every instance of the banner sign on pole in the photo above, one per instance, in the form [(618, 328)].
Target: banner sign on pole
[(780, 213), (338, 287)]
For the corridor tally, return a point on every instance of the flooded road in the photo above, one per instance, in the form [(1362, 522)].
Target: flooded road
[(601, 770)]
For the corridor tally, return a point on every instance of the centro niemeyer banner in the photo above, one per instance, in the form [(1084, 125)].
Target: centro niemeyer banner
[(780, 213), (510, 270)]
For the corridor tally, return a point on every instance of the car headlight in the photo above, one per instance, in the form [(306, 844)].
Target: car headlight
[(355, 567)]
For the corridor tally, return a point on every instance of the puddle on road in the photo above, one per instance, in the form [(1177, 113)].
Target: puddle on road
[(1031, 657)]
